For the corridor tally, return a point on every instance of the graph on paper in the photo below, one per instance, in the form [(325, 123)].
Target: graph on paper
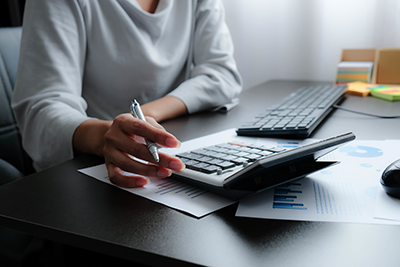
[(169, 186), (286, 197), (169, 192)]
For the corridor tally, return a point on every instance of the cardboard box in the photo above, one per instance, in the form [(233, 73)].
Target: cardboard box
[(388, 69), (386, 63)]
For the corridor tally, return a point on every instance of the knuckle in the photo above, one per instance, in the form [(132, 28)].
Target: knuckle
[(138, 125), (120, 118)]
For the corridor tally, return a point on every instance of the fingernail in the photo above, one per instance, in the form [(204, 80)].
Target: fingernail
[(171, 142), (179, 144), (142, 182), (162, 173), (177, 166)]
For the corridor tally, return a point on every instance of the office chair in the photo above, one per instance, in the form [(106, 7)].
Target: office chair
[(14, 162)]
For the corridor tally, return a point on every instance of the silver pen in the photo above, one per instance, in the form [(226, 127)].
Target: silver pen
[(137, 112)]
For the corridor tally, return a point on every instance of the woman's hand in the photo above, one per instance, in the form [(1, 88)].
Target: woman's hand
[(122, 140), (125, 139)]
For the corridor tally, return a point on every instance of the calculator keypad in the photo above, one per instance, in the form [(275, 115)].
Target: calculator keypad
[(217, 158)]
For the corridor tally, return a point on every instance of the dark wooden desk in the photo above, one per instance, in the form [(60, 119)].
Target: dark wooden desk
[(65, 206)]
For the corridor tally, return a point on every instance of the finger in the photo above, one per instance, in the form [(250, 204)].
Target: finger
[(133, 126), (117, 141), (116, 176), (153, 122), (126, 163), (171, 162)]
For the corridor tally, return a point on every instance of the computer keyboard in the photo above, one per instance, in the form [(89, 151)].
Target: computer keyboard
[(297, 115)]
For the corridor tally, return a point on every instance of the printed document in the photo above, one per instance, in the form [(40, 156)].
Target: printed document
[(346, 192)]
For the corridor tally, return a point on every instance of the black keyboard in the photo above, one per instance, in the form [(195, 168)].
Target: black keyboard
[(297, 115)]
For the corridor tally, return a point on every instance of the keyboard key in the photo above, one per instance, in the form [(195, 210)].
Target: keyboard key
[(242, 154), (253, 157), (266, 153), (226, 165), (215, 161), (240, 161), (189, 162), (201, 152), (255, 151), (199, 166), (204, 159), (276, 149), (210, 169), (189, 156)]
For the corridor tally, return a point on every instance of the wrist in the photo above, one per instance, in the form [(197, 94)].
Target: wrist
[(89, 136), (165, 108)]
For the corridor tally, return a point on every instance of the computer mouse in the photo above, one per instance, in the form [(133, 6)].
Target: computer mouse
[(390, 179)]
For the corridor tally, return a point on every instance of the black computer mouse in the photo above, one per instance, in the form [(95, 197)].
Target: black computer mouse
[(390, 179)]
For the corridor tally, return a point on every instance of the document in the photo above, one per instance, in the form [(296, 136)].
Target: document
[(169, 192), (388, 207), (346, 192)]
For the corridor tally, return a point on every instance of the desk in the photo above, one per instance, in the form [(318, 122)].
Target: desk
[(63, 205)]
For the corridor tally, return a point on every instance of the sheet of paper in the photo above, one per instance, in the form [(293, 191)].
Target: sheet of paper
[(388, 207), (346, 192), (169, 192)]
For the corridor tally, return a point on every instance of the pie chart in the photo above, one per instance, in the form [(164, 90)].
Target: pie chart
[(361, 151)]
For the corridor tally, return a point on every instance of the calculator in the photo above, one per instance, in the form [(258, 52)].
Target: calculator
[(235, 169)]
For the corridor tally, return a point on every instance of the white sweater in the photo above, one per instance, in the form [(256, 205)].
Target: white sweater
[(84, 59)]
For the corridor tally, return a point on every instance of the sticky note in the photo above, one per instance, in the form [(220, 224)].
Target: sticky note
[(386, 92), (359, 88)]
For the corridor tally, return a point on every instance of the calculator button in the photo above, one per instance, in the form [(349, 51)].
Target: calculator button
[(266, 153), (276, 149), (253, 157), (199, 166), (242, 154), (188, 155), (239, 161), (204, 159), (226, 165), (215, 161), (210, 169)]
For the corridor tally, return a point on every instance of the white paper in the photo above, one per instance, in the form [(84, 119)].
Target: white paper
[(170, 193), (355, 64), (388, 207), (346, 192)]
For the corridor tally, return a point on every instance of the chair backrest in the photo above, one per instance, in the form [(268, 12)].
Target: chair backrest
[(10, 139)]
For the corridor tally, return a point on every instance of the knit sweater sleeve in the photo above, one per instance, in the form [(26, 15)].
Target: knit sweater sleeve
[(213, 78), (47, 100)]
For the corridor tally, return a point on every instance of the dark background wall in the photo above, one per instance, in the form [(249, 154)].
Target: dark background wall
[(11, 12)]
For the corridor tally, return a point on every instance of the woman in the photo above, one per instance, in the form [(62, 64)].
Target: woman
[(82, 62)]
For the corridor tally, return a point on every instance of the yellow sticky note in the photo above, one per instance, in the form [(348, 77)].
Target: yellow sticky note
[(359, 88)]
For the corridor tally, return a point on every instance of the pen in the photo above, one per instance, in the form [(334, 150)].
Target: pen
[(137, 112)]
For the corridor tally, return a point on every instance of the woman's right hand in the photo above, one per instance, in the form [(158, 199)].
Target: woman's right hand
[(121, 141), (124, 141)]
